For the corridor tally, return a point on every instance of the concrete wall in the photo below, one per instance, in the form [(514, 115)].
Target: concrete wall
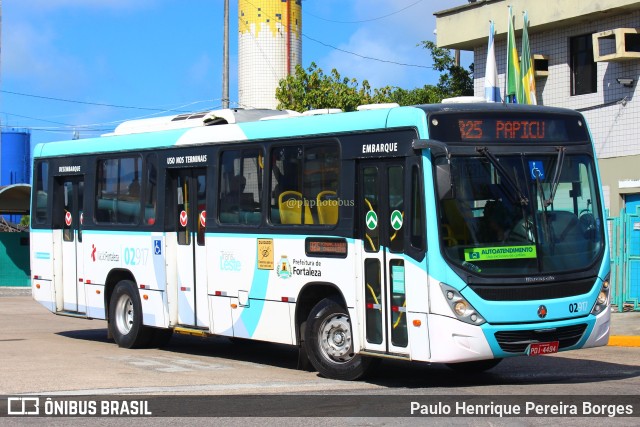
[(620, 175), (466, 26)]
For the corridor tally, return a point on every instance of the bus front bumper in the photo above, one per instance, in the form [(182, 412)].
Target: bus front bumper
[(456, 341)]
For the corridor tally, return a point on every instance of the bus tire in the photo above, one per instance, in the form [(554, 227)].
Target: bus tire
[(329, 343), (125, 317), (475, 366)]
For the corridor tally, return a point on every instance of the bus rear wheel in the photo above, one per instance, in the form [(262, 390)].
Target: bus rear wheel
[(329, 343), (125, 317)]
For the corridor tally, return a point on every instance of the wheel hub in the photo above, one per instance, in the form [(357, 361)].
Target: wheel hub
[(124, 314), (335, 339)]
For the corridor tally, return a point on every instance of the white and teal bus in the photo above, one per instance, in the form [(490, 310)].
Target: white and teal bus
[(454, 233)]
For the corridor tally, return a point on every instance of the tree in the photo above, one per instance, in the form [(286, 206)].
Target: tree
[(312, 89), (454, 79)]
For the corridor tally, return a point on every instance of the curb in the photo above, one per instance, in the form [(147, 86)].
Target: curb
[(624, 341)]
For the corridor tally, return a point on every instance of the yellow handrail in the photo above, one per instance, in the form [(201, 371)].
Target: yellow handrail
[(395, 325), (373, 294)]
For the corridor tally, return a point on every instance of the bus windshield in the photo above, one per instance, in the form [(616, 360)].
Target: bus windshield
[(522, 214)]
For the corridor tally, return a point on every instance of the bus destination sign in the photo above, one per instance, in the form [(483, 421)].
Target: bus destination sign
[(502, 129), (521, 128)]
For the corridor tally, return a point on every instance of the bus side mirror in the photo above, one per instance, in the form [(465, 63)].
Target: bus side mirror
[(444, 179), (444, 182)]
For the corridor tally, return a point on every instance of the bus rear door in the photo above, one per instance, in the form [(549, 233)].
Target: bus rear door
[(190, 195), (69, 216)]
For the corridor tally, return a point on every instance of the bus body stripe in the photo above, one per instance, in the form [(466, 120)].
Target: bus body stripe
[(248, 321)]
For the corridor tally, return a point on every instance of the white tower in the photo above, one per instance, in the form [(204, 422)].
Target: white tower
[(269, 48)]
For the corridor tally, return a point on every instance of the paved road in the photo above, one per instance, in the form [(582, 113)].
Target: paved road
[(59, 356)]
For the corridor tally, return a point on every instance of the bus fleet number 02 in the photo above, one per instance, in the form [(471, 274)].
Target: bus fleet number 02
[(135, 256), (578, 307)]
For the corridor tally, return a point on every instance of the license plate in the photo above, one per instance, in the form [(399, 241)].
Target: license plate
[(542, 348)]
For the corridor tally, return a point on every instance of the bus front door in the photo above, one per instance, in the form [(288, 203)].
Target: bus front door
[(190, 195), (69, 194), (380, 228)]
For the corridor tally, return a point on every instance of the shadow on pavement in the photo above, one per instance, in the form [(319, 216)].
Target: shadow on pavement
[(391, 373)]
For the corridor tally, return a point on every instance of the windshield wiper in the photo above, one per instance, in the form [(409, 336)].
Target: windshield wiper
[(556, 176), (503, 172)]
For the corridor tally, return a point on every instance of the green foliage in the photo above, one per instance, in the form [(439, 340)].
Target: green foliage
[(312, 89), (25, 220), (454, 79)]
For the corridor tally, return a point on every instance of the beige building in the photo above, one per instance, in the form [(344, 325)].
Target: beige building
[(587, 58)]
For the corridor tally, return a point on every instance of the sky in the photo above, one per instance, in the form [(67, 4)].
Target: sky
[(84, 66)]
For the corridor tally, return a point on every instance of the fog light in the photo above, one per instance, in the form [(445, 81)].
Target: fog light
[(474, 317), (450, 295), (602, 297)]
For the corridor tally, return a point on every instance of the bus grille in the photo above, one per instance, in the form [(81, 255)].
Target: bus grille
[(534, 291), (518, 341)]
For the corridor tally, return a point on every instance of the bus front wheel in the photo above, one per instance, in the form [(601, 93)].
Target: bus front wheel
[(329, 343), (125, 317)]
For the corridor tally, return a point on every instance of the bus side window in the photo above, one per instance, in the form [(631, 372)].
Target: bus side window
[(41, 193), (240, 191), (151, 191), (117, 200), (286, 186), (304, 184), (417, 233)]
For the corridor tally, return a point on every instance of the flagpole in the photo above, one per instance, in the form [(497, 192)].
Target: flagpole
[(506, 64), (491, 88), (528, 82), (513, 64)]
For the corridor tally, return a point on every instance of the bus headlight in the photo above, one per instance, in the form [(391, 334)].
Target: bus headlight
[(602, 302), (461, 307)]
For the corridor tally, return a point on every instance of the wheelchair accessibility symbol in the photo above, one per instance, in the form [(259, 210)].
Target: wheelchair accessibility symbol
[(537, 170), (157, 247)]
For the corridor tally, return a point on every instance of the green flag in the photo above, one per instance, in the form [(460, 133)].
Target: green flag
[(512, 90), (528, 80)]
